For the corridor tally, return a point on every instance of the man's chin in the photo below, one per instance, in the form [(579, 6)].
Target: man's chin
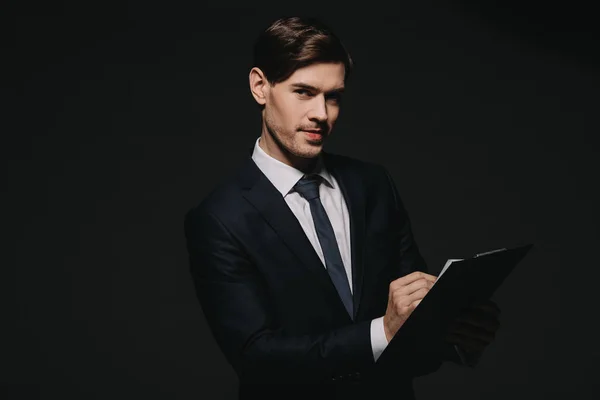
[(312, 150), (314, 144)]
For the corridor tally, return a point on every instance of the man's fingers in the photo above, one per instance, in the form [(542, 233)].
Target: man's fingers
[(410, 278), (467, 343), (472, 332), (487, 323), (485, 306), (479, 315), (488, 307), (409, 301), (417, 296), (415, 286)]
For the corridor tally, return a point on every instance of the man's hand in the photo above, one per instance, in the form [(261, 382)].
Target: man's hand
[(474, 329), (405, 294)]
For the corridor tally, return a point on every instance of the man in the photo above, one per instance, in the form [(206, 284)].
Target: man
[(304, 262)]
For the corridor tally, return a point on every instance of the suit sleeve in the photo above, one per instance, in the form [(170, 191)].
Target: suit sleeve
[(410, 257), (238, 310)]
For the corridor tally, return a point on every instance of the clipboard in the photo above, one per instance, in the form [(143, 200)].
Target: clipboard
[(461, 284)]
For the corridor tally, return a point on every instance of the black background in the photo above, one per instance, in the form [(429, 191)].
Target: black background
[(118, 118)]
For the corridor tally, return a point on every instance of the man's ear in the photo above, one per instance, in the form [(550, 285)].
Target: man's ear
[(259, 86)]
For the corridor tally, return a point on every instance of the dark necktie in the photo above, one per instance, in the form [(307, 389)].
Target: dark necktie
[(308, 187)]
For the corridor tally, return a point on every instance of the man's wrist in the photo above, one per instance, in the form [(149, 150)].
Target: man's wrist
[(385, 330)]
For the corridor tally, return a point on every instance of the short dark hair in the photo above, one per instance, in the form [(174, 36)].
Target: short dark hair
[(290, 43)]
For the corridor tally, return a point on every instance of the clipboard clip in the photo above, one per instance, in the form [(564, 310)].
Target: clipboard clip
[(489, 252)]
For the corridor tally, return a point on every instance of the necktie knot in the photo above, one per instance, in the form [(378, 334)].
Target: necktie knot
[(308, 186)]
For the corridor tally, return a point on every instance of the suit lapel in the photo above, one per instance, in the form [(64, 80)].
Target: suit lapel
[(259, 191), (354, 195)]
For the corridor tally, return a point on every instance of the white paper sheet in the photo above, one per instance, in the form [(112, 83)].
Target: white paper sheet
[(448, 263)]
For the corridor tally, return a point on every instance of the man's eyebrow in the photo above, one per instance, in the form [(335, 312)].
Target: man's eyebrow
[(301, 85)]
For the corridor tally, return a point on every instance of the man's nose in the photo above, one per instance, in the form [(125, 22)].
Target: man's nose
[(318, 110)]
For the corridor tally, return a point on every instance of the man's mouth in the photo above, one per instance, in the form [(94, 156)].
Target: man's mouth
[(314, 134)]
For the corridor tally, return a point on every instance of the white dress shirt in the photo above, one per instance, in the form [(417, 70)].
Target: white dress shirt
[(284, 177)]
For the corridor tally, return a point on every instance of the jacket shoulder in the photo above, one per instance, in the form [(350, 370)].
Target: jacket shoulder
[(221, 200)]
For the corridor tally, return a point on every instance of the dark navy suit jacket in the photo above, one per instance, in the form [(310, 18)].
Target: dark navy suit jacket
[(267, 297)]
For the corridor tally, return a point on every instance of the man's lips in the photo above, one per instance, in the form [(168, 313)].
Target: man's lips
[(314, 134)]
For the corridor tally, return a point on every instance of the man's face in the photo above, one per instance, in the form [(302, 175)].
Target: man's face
[(301, 111)]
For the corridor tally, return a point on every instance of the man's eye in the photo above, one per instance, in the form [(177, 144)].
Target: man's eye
[(303, 92), (335, 98)]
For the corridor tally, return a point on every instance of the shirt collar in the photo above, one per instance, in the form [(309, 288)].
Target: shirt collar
[(283, 176)]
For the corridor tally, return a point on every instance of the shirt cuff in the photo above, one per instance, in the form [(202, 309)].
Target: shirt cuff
[(378, 340)]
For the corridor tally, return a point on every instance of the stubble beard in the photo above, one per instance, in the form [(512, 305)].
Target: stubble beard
[(291, 147)]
